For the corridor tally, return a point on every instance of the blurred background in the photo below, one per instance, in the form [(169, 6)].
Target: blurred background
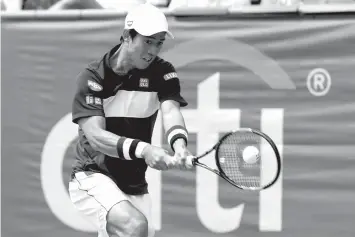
[(18, 5), (285, 67)]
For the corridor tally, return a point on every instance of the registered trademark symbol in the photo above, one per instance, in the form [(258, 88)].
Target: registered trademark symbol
[(319, 82)]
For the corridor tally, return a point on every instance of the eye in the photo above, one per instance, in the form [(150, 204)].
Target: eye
[(160, 43), (149, 41)]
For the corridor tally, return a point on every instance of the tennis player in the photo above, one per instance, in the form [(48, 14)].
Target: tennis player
[(116, 105)]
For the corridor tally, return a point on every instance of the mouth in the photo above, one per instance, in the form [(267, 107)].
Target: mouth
[(148, 59)]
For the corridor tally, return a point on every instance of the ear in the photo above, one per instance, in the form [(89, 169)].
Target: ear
[(126, 36)]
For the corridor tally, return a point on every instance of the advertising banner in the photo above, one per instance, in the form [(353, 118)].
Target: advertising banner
[(292, 79)]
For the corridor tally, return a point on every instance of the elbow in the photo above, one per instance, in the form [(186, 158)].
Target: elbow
[(93, 129), (171, 113), (94, 140), (170, 108), (95, 145)]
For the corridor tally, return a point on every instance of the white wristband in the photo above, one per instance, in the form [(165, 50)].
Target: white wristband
[(139, 149), (175, 133)]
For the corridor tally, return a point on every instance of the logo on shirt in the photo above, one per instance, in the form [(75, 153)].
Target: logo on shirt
[(97, 101), (94, 86), (91, 100), (170, 75), (144, 82)]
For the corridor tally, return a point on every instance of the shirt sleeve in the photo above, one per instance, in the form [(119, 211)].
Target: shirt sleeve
[(88, 98), (170, 87)]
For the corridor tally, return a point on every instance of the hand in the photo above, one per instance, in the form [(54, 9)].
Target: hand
[(183, 157), (158, 158)]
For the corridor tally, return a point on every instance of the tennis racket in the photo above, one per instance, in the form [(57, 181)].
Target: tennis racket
[(261, 173)]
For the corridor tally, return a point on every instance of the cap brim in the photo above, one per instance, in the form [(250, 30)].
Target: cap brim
[(153, 33), (170, 34)]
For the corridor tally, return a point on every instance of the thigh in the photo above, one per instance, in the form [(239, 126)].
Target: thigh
[(94, 195)]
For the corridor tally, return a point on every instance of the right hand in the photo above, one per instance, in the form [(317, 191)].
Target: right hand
[(158, 158)]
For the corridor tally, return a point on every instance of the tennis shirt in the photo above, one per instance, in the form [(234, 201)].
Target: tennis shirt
[(130, 105)]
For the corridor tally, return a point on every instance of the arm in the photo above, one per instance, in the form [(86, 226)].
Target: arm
[(173, 121), (118, 146), (88, 113), (174, 125), (109, 143), (176, 132)]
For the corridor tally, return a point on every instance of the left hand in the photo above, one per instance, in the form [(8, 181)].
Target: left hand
[(182, 157)]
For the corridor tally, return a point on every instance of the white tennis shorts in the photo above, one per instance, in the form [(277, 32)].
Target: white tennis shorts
[(94, 195)]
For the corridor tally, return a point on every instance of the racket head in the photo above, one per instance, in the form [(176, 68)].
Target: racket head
[(258, 175)]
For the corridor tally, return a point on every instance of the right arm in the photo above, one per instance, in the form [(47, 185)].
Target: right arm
[(108, 143), (118, 146)]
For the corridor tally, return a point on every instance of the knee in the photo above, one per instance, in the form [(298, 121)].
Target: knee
[(137, 226), (127, 223), (129, 227)]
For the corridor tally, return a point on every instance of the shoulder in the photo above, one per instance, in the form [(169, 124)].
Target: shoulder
[(89, 74), (164, 68), (88, 79), (96, 68), (162, 65), (99, 67)]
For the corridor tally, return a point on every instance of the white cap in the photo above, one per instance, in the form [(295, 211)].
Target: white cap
[(147, 20)]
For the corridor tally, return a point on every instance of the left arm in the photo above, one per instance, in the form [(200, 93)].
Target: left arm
[(174, 125), (173, 121), (176, 132)]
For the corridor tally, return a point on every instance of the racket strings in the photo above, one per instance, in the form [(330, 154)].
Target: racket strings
[(230, 153)]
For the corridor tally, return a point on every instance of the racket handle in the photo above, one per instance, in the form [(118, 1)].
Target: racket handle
[(192, 160)]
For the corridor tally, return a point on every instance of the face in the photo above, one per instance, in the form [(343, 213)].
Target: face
[(144, 49)]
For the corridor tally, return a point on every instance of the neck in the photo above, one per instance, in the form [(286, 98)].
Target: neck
[(120, 61)]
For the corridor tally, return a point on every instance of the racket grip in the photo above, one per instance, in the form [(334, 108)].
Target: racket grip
[(192, 160)]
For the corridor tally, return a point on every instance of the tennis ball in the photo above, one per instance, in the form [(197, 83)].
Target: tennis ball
[(250, 154)]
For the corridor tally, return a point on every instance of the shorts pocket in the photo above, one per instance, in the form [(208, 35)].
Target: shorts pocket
[(87, 182)]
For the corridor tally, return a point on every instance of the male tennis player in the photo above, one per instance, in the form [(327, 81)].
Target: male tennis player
[(116, 105)]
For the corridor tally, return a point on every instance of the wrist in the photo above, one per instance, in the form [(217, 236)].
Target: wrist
[(179, 144), (130, 149), (141, 149), (145, 148), (177, 134)]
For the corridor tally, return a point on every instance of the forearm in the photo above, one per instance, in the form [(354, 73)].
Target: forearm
[(116, 146), (175, 128), (105, 142)]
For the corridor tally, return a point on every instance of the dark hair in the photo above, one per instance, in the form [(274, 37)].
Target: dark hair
[(131, 32)]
